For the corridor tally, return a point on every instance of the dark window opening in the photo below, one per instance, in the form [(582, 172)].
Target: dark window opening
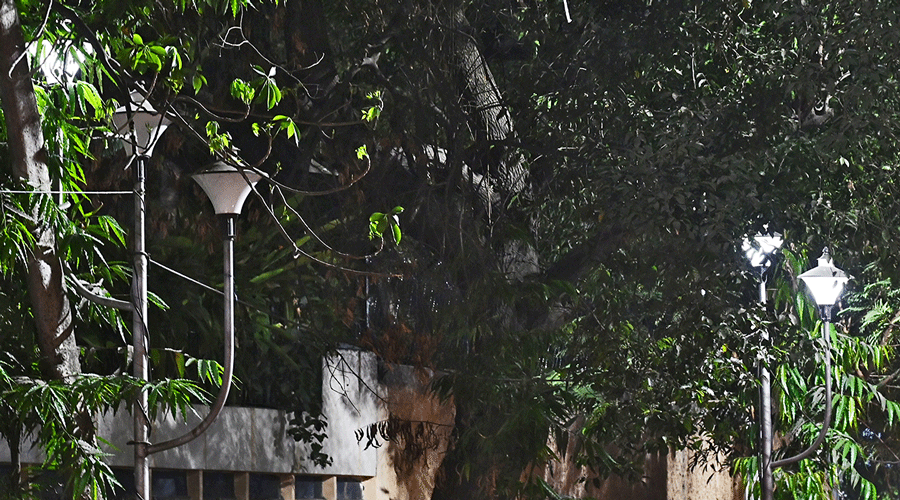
[(265, 487), (218, 486), (349, 489), (169, 485), (307, 488)]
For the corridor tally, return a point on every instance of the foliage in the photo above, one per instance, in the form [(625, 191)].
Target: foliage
[(656, 136), (601, 292), (51, 411)]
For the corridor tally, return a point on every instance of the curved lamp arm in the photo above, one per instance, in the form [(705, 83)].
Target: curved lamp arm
[(99, 299), (827, 423), (229, 351)]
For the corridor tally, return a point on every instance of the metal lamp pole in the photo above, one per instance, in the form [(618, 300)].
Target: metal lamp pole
[(227, 188), (825, 283), (139, 126), (761, 256)]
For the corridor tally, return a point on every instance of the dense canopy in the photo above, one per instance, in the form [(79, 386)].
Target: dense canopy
[(543, 200)]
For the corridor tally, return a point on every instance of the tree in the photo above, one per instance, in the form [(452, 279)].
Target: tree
[(574, 194), (673, 131), (50, 309)]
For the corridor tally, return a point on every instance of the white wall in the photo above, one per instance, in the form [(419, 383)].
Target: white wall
[(255, 439)]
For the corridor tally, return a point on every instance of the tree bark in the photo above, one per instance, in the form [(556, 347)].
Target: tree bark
[(52, 313), (505, 170), (55, 329), (494, 117)]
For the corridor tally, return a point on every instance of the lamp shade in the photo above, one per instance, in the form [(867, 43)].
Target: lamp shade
[(149, 124), (226, 186), (825, 282), (760, 251)]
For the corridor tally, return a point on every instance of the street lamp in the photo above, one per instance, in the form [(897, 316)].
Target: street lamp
[(825, 283), (761, 253), (139, 126), (227, 188), (144, 121)]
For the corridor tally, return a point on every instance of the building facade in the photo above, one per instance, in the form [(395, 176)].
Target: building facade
[(247, 454)]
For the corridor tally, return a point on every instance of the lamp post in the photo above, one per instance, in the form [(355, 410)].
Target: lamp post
[(139, 126), (825, 283), (761, 255), (228, 188)]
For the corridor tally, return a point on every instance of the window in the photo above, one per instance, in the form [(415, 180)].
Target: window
[(349, 489), (265, 487), (307, 488), (51, 484), (169, 485), (6, 477), (125, 477), (218, 486)]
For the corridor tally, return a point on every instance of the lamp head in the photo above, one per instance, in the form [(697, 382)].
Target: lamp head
[(825, 282), (762, 249), (149, 124), (226, 186)]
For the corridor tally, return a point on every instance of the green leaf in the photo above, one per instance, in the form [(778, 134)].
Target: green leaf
[(197, 82), (89, 93), (179, 364), (242, 91), (267, 275)]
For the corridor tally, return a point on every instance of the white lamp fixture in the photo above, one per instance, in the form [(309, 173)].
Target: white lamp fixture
[(760, 251), (761, 254), (825, 282), (226, 186), (149, 124)]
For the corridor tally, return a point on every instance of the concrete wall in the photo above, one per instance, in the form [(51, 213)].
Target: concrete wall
[(255, 439), (405, 471), (665, 477), (710, 482)]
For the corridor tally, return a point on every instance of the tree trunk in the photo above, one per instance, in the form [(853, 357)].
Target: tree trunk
[(495, 120), (504, 168), (52, 314), (55, 329)]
